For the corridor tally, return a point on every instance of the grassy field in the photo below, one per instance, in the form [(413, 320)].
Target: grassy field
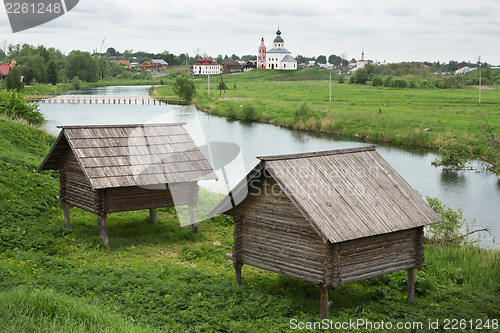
[(421, 117), (162, 278)]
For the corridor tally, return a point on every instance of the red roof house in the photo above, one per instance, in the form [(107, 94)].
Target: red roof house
[(5, 68)]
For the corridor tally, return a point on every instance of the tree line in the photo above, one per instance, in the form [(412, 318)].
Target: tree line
[(50, 65)]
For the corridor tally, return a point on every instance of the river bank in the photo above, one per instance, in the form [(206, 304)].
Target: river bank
[(409, 117)]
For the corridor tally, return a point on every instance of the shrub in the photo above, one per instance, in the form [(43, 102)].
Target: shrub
[(76, 83), (301, 113), (449, 229), (377, 81), (399, 83), (184, 88), (13, 104), (387, 81), (454, 155), (249, 112)]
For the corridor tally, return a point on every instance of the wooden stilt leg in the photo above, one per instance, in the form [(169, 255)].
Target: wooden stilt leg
[(101, 220), (153, 216), (324, 304), (67, 221), (237, 270), (411, 284), (193, 220)]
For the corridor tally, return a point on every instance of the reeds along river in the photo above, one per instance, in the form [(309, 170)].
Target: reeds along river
[(476, 192)]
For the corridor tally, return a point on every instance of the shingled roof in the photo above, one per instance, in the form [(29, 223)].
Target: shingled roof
[(131, 155), (344, 194)]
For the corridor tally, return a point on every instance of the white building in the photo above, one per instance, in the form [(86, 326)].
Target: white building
[(206, 66), (278, 57)]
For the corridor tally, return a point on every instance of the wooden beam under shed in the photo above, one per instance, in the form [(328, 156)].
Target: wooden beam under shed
[(411, 284), (324, 304), (101, 220), (153, 216)]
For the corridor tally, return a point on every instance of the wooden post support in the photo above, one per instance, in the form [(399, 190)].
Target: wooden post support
[(153, 216), (65, 207), (324, 304), (411, 284), (192, 217), (237, 270), (101, 220)]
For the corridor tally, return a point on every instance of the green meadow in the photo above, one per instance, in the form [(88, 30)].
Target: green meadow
[(301, 100), (162, 278)]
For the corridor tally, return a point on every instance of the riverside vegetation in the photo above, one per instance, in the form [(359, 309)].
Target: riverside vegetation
[(162, 278)]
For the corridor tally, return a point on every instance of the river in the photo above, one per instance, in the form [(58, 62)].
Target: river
[(476, 192)]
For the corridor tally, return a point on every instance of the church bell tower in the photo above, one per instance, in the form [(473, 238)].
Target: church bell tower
[(261, 58)]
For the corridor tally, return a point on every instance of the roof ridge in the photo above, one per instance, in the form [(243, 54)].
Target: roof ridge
[(316, 154), (122, 125)]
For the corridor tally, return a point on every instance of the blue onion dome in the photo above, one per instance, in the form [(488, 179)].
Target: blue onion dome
[(278, 38)]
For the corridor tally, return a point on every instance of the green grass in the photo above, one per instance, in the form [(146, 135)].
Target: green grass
[(162, 278), (415, 117)]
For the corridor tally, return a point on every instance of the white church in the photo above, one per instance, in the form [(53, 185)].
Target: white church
[(276, 58)]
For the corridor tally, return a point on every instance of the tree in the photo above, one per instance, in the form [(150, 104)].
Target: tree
[(52, 73), (102, 65), (184, 88), (111, 52), (33, 68), (81, 64), (361, 75), (335, 60), (321, 59), (13, 80)]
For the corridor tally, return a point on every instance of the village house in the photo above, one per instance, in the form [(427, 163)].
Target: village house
[(206, 66), (232, 66), (159, 63), (5, 69), (125, 63)]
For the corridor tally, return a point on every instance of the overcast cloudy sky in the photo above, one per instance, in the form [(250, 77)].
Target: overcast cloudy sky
[(391, 30)]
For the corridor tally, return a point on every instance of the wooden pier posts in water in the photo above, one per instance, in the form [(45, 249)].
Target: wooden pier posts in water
[(90, 99)]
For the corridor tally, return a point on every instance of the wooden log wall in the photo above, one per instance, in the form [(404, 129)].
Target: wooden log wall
[(373, 256), (121, 199), (275, 236), (75, 188)]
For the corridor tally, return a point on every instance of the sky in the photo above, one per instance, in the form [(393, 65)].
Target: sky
[(387, 30)]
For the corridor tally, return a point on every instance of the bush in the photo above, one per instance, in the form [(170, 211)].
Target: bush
[(387, 81), (184, 88), (399, 83), (377, 81), (76, 83), (249, 112), (449, 229), (454, 155), (15, 105), (301, 113)]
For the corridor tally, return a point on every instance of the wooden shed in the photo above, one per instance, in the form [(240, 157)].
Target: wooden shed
[(106, 169), (329, 218)]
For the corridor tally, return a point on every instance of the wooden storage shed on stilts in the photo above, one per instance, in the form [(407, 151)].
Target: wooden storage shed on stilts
[(329, 218), (113, 168)]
